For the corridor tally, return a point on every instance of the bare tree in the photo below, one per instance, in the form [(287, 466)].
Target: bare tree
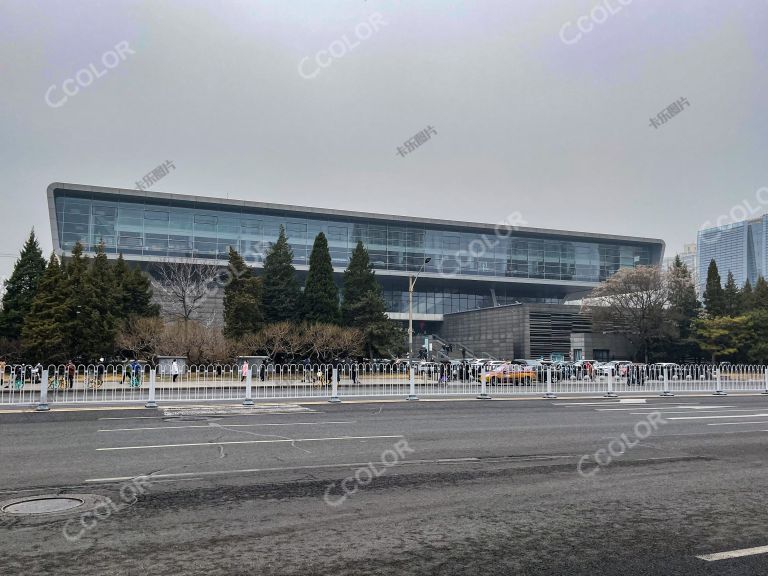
[(141, 336), (275, 337), (351, 342), (633, 303), (186, 285)]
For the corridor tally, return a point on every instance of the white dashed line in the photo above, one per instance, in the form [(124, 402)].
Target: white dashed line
[(734, 554), (216, 443)]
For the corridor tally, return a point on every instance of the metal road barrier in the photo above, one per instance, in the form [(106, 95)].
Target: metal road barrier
[(148, 385)]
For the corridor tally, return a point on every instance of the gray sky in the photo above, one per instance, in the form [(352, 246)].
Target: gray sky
[(557, 130)]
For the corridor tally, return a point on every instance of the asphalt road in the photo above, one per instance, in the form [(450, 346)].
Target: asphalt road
[(448, 487)]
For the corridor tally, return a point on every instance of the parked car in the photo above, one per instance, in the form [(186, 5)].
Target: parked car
[(613, 368), (636, 374), (670, 369), (584, 368), (428, 368), (511, 374)]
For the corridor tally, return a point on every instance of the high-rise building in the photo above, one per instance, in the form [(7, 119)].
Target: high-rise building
[(689, 257), (739, 248)]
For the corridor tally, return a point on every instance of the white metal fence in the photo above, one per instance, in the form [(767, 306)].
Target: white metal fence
[(68, 384)]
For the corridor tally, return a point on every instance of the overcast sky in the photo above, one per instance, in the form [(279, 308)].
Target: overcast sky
[(531, 114)]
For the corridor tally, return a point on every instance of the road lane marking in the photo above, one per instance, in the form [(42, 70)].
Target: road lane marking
[(225, 426), (662, 407), (713, 433), (734, 554), (215, 443), (604, 403), (665, 412), (309, 413), (736, 423), (713, 417)]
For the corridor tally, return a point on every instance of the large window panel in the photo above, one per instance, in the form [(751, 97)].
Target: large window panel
[(130, 240), (205, 246), (156, 243)]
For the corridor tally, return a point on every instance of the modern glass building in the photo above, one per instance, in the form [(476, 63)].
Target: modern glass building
[(472, 265), (740, 248)]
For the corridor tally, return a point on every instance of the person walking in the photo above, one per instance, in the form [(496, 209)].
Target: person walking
[(135, 380), (100, 369), (2, 373), (175, 370), (71, 369), (353, 373), (244, 371)]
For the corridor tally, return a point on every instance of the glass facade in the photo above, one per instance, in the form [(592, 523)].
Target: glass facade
[(175, 228), (738, 248)]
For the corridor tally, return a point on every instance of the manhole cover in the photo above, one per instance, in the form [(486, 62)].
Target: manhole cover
[(43, 505)]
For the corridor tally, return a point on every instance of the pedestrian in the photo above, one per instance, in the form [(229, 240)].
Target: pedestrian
[(135, 373), (262, 371), (71, 369), (353, 373), (244, 370), (2, 373), (100, 373), (175, 370)]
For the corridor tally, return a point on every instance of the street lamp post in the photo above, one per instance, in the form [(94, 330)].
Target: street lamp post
[(411, 284)]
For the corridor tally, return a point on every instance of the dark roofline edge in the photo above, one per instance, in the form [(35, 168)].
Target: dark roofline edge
[(341, 213)]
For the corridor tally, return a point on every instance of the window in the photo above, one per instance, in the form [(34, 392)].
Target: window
[(129, 240), (601, 355), (157, 215)]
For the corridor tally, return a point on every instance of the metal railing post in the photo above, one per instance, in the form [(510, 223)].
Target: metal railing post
[(412, 388), (152, 385), (42, 406), (483, 390), (766, 381), (549, 393), (335, 386), (248, 381), (666, 386), (719, 391), (610, 393)]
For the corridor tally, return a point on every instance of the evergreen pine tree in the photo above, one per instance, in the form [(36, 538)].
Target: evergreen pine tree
[(43, 335), (82, 327), (731, 297), (120, 271), (359, 279), (106, 304), (747, 297), (21, 287), (242, 299), (363, 306), (320, 301), (137, 295), (760, 298), (683, 306), (280, 289), (714, 298)]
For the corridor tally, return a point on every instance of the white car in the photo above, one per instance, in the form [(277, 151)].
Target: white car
[(428, 368), (613, 368)]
